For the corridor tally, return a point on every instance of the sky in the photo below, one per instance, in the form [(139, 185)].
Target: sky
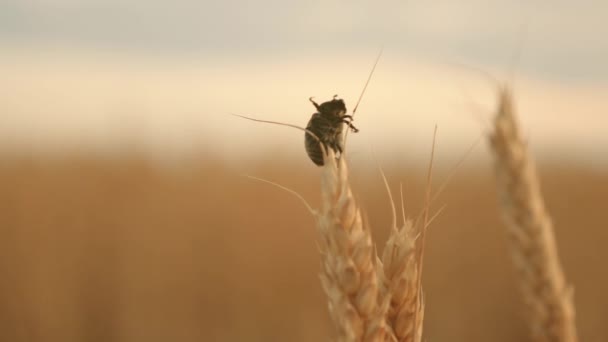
[(102, 74), (563, 39)]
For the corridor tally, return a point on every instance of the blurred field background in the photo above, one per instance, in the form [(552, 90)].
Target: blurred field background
[(124, 213), (125, 250)]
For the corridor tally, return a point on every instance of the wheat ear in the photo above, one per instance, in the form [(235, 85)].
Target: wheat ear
[(548, 298), (348, 270), (399, 277)]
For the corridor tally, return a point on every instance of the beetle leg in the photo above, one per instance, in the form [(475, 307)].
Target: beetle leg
[(351, 126), (338, 147), (313, 102)]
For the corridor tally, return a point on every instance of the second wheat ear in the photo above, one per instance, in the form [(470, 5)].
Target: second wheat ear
[(549, 305)]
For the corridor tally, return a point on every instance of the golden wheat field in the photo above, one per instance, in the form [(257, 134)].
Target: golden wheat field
[(128, 249)]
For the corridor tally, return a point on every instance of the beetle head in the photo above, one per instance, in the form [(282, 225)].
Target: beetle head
[(335, 108)]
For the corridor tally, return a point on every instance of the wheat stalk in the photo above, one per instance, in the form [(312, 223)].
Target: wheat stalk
[(548, 298), (348, 271)]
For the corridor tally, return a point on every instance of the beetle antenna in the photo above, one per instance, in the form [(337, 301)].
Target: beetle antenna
[(313, 102), (280, 124)]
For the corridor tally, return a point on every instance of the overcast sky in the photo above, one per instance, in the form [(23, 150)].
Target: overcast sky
[(561, 39)]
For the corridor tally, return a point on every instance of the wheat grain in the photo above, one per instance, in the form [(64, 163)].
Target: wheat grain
[(548, 298)]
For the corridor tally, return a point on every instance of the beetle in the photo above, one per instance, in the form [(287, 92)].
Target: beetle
[(327, 125)]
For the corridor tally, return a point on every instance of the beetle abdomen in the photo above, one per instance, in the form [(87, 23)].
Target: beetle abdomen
[(328, 131)]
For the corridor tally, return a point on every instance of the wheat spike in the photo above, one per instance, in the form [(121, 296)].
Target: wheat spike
[(401, 272), (399, 275), (548, 299), (348, 270)]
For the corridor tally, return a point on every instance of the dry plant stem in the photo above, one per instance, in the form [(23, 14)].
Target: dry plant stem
[(348, 270), (548, 298)]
